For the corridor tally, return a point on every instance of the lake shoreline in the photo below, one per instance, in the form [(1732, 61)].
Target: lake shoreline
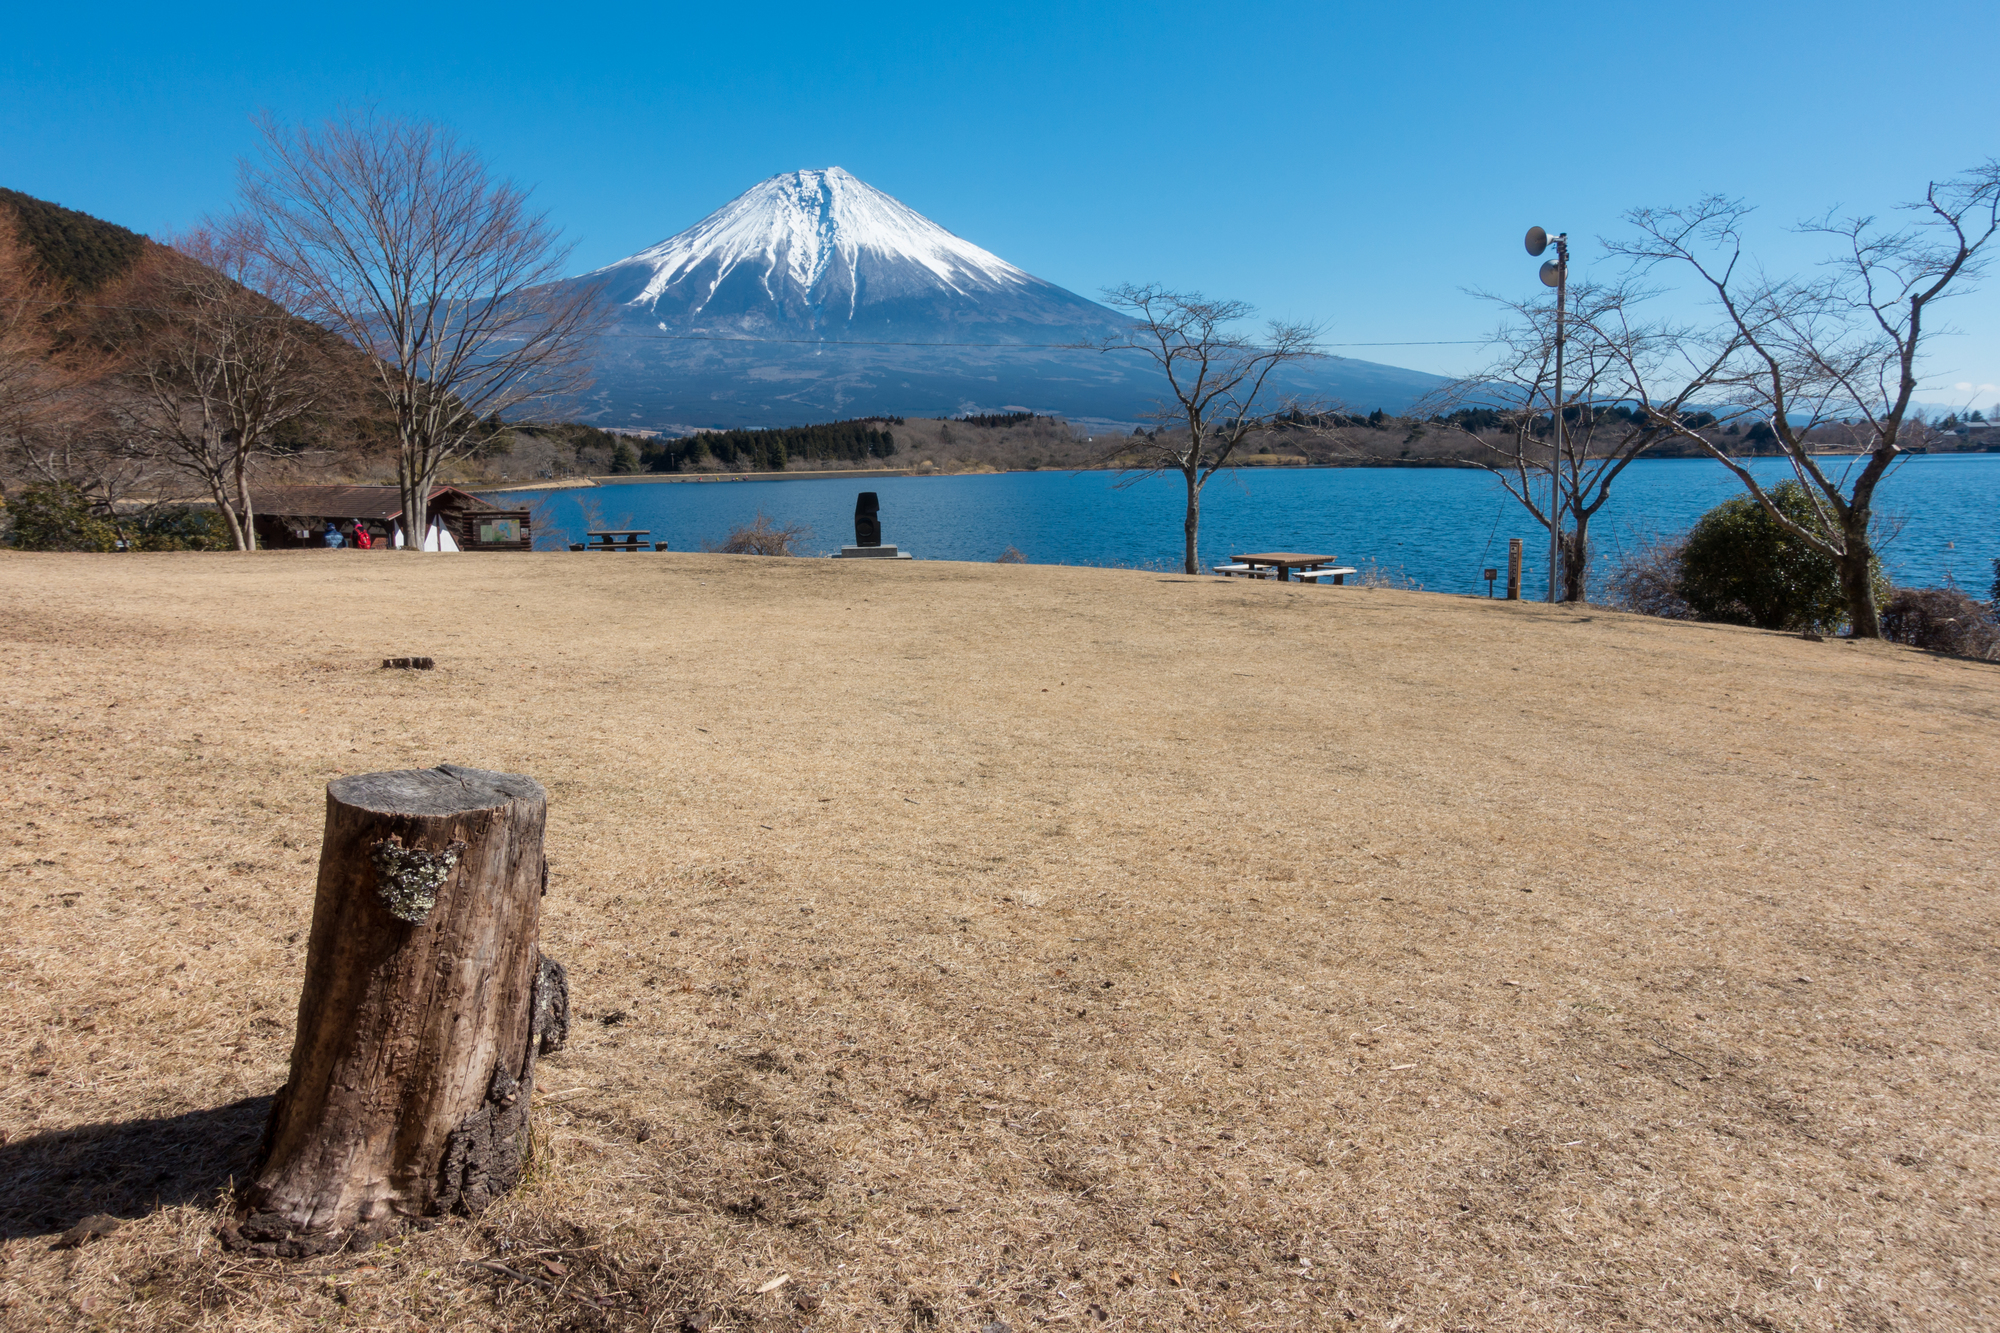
[(1434, 527), (1252, 464)]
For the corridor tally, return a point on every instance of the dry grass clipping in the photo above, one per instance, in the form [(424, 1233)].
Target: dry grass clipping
[(976, 945)]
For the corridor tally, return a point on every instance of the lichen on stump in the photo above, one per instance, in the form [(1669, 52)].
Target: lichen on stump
[(426, 1002)]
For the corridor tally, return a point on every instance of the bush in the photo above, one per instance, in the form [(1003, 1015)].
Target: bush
[(58, 518), (1372, 573), (1647, 580), (762, 537), (178, 529), (1011, 556), (1942, 620), (1739, 567)]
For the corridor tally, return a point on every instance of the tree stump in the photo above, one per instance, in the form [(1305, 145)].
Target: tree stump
[(426, 1001)]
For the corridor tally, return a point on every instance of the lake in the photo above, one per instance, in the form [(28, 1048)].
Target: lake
[(1437, 526)]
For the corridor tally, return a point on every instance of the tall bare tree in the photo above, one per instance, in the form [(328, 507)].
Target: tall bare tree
[(1508, 408), (218, 366), (53, 431), (399, 238), (1836, 353), (1219, 377), (29, 380)]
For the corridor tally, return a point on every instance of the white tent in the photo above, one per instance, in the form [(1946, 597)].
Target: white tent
[(437, 538)]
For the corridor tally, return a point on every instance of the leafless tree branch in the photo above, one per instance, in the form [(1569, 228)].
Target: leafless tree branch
[(1218, 376), (400, 239), (219, 367), (1838, 348), (1508, 408)]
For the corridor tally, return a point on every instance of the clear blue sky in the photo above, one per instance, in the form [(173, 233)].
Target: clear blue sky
[(1358, 165)]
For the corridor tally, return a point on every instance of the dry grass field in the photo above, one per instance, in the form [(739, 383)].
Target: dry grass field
[(998, 946)]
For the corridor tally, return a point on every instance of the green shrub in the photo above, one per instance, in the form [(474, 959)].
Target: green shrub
[(58, 518), (1739, 567), (178, 529)]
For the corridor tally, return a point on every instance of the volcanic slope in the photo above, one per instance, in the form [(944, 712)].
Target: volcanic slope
[(814, 296)]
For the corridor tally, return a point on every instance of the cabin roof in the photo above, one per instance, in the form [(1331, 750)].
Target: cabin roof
[(380, 503)]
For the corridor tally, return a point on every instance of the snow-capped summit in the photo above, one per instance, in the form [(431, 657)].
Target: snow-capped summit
[(823, 254), (813, 296), (815, 225)]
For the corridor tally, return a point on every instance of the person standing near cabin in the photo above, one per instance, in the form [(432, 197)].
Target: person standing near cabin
[(334, 541), (362, 541)]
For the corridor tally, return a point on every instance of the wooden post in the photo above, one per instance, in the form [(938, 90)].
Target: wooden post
[(1513, 569), (426, 1001)]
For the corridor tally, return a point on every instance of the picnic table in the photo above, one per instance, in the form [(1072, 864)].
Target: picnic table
[(619, 539), (1284, 562)]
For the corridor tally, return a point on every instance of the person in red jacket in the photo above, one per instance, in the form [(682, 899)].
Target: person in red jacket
[(362, 540)]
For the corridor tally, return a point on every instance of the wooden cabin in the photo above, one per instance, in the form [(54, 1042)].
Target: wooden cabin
[(296, 516)]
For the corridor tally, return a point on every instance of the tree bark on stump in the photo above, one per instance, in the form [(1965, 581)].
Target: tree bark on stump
[(426, 1001)]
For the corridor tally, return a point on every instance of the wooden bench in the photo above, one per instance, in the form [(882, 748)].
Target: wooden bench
[(620, 539), (1338, 573)]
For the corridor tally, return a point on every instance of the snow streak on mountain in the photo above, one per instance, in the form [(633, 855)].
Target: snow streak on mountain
[(814, 296), (821, 253)]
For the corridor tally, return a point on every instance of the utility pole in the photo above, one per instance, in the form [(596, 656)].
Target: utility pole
[(1555, 273)]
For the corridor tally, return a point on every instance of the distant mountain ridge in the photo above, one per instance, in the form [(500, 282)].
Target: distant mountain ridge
[(764, 312)]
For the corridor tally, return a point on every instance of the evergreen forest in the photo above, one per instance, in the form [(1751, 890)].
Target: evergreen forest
[(75, 249), (770, 450)]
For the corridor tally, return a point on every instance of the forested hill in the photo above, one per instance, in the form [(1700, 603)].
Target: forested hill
[(79, 251), (89, 257)]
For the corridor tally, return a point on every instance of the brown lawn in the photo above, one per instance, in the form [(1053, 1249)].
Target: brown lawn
[(997, 945)]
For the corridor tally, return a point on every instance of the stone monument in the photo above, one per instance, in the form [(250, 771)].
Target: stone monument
[(867, 520), (868, 533)]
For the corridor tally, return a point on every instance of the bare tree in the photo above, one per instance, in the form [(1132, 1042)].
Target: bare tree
[(219, 366), (1508, 409), (1218, 377), (400, 239), (29, 380), (53, 430), (1838, 350)]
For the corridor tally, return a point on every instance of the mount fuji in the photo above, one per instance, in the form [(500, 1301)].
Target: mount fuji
[(814, 296)]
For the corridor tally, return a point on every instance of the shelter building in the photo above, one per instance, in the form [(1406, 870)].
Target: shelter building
[(296, 516)]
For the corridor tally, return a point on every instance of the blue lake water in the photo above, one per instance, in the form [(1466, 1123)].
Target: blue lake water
[(1438, 526)]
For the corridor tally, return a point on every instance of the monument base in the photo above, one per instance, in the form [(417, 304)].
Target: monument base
[(872, 553)]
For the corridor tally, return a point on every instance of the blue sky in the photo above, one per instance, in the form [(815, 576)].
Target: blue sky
[(1356, 165)]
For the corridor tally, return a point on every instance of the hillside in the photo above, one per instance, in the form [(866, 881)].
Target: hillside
[(79, 251), (101, 272)]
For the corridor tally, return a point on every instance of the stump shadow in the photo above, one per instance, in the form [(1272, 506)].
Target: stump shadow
[(126, 1168)]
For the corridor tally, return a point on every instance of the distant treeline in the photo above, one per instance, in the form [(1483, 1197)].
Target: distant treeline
[(998, 420), (1486, 419), (770, 450)]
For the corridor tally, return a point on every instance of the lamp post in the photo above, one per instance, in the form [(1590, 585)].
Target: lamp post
[(1555, 273)]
